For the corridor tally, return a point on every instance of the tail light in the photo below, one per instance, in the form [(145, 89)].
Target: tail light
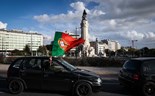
[(136, 77)]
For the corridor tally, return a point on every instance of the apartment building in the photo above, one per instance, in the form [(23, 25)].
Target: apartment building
[(17, 39), (112, 45)]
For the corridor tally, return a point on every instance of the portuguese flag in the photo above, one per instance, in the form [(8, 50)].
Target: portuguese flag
[(63, 43)]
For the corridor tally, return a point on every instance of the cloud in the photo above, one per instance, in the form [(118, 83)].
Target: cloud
[(108, 19), (131, 35), (112, 23), (79, 6), (92, 37), (71, 17), (149, 35), (118, 9), (134, 35), (146, 39), (47, 39), (3, 25)]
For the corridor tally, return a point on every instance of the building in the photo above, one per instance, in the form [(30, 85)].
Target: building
[(101, 46), (17, 39), (112, 45)]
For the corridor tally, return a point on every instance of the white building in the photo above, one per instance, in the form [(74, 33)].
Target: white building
[(101, 46), (112, 45), (17, 39)]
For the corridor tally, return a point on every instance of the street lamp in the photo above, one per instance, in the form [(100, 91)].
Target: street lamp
[(31, 45), (2, 45)]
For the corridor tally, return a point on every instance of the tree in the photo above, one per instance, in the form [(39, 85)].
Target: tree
[(109, 52), (49, 47), (138, 53), (131, 51), (121, 52), (27, 50), (16, 52), (151, 53), (144, 51), (42, 50)]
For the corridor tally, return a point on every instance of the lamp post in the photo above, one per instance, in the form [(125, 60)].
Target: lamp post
[(31, 45), (133, 43), (133, 46), (2, 45), (76, 47)]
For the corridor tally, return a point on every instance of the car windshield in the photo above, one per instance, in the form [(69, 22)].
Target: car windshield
[(132, 65), (68, 65)]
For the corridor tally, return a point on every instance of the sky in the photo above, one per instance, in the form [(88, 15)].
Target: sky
[(120, 20)]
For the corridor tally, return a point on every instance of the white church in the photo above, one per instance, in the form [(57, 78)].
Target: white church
[(93, 48)]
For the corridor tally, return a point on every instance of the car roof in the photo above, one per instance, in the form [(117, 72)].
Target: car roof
[(143, 58), (41, 57)]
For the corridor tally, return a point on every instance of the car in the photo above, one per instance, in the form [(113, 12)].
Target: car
[(139, 73), (41, 73)]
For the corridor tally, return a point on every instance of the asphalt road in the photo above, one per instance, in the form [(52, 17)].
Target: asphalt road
[(110, 85)]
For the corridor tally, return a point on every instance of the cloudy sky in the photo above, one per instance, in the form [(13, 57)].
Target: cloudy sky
[(120, 20)]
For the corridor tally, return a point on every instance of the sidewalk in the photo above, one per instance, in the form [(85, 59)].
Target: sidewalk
[(4, 67), (102, 70)]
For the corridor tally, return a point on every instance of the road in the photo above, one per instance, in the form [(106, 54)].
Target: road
[(110, 86)]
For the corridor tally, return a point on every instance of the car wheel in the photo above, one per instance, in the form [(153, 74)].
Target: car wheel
[(15, 86), (149, 89), (83, 89)]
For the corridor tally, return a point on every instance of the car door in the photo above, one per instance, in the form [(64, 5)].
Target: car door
[(31, 73), (57, 78), (149, 70)]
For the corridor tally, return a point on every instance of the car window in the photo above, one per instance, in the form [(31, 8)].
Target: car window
[(131, 65), (149, 66), (33, 63), (46, 64), (37, 64), (67, 65), (54, 66), (17, 63), (145, 67)]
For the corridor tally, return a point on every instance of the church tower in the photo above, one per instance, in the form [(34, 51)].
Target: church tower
[(84, 34)]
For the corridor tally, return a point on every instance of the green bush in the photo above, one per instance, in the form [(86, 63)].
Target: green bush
[(7, 60), (87, 61), (96, 61)]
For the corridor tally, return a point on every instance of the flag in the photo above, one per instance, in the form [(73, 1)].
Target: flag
[(63, 43)]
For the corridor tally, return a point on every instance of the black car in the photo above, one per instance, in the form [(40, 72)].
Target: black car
[(58, 75), (139, 73)]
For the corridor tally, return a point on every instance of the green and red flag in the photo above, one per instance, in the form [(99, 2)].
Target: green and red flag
[(63, 42)]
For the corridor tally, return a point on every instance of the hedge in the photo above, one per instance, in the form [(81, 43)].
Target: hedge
[(96, 61), (87, 61)]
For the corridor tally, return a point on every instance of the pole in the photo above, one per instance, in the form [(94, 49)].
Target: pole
[(2, 45), (31, 44), (76, 47), (133, 43)]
